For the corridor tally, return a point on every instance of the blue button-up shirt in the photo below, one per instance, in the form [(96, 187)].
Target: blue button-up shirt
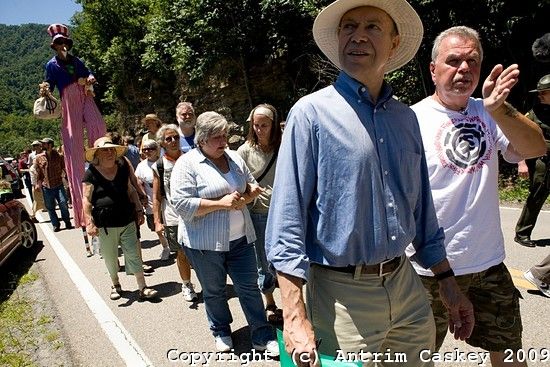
[(351, 184), (194, 178), (58, 73)]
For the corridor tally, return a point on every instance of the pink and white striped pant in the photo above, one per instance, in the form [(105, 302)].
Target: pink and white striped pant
[(79, 112)]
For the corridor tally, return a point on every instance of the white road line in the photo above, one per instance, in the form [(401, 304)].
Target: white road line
[(121, 339), (518, 209)]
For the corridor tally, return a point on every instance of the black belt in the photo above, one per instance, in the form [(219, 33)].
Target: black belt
[(383, 268)]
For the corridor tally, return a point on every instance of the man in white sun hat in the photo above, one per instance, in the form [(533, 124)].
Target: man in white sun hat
[(351, 192)]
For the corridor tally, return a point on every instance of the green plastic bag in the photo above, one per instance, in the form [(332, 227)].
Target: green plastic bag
[(326, 361)]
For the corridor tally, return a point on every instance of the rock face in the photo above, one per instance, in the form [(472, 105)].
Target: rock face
[(233, 97)]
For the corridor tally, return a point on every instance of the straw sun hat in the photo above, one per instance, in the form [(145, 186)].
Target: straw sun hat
[(409, 26), (104, 143), (151, 117)]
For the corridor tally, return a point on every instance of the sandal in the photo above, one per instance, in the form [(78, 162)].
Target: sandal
[(147, 293), (274, 314), (115, 292)]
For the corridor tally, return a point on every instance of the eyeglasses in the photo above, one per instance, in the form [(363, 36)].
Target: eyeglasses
[(172, 138), (149, 149), (60, 41)]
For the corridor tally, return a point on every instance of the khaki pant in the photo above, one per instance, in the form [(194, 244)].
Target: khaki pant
[(389, 315), (38, 201)]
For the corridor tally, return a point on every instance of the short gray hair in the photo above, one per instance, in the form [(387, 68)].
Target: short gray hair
[(209, 123), (185, 104), (163, 129), (460, 31)]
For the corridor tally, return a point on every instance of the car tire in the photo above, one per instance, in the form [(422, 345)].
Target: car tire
[(28, 233)]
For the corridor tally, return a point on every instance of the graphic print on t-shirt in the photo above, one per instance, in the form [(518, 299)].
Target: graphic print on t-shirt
[(464, 144)]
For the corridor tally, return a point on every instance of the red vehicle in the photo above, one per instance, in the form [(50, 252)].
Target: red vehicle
[(10, 174), (16, 226)]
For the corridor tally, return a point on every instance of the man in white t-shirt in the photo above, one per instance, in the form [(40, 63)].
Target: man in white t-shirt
[(165, 216), (462, 137), (185, 114)]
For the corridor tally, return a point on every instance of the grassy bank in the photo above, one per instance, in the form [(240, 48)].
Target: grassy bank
[(28, 334)]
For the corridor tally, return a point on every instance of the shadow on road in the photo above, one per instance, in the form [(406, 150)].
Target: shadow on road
[(15, 267)]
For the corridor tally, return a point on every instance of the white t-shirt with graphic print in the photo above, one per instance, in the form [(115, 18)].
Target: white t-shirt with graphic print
[(462, 157)]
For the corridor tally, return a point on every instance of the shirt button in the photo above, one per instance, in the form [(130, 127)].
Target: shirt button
[(390, 205), (386, 173), (393, 238), (358, 101), (381, 140), (363, 89)]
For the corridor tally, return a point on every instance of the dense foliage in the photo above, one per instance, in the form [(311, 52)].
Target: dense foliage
[(229, 55)]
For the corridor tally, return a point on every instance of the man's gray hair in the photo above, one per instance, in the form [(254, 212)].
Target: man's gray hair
[(163, 129), (185, 104), (208, 124), (460, 31)]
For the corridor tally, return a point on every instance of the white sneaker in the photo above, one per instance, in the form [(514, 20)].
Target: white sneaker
[(272, 348), (165, 254), (188, 292), (224, 343), (543, 287)]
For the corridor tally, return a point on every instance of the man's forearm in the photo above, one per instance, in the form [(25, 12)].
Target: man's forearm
[(292, 296), (524, 135)]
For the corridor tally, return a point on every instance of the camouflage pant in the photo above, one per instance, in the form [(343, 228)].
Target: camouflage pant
[(496, 307)]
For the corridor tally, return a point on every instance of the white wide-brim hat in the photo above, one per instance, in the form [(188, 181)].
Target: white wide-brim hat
[(409, 27), (104, 143)]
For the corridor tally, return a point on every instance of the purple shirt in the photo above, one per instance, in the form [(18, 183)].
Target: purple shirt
[(61, 74)]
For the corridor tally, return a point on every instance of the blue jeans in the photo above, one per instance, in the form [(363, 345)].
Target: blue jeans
[(266, 278), (50, 197), (212, 268)]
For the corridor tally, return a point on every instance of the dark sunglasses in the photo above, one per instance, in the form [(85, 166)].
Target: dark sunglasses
[(170, 139), (149, 149), (61, 41)]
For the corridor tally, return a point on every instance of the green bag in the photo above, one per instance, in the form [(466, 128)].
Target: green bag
[(326, 361)]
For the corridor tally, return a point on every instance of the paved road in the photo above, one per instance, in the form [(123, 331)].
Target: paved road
[(101, 332)]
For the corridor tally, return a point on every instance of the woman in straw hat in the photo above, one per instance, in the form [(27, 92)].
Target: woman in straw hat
[(110, 203), (152, 123)]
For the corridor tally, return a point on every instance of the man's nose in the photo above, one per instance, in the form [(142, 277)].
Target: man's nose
[(464, 66), (360, 34)]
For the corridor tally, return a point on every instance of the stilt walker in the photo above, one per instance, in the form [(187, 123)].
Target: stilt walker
[(79, 111)]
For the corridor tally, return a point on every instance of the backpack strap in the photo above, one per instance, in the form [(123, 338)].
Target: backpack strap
[(160, 169)]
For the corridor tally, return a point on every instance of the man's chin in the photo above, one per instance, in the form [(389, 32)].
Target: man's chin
[(187, 124)]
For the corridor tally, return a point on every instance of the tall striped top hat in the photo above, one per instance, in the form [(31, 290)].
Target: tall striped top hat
[(57, 31)]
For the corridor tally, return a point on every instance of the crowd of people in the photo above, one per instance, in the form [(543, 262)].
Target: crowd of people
[(388, 214)]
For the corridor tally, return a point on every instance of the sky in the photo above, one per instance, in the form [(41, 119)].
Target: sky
[(14, 12)]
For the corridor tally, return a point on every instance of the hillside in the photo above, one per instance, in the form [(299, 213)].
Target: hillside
[(23, 52)]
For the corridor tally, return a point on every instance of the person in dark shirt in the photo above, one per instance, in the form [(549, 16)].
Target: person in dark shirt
[(49, 168), (133, 151), (537, 169)]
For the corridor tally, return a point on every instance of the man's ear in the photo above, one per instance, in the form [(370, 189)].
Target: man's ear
[(394, 44), (432, 70)]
